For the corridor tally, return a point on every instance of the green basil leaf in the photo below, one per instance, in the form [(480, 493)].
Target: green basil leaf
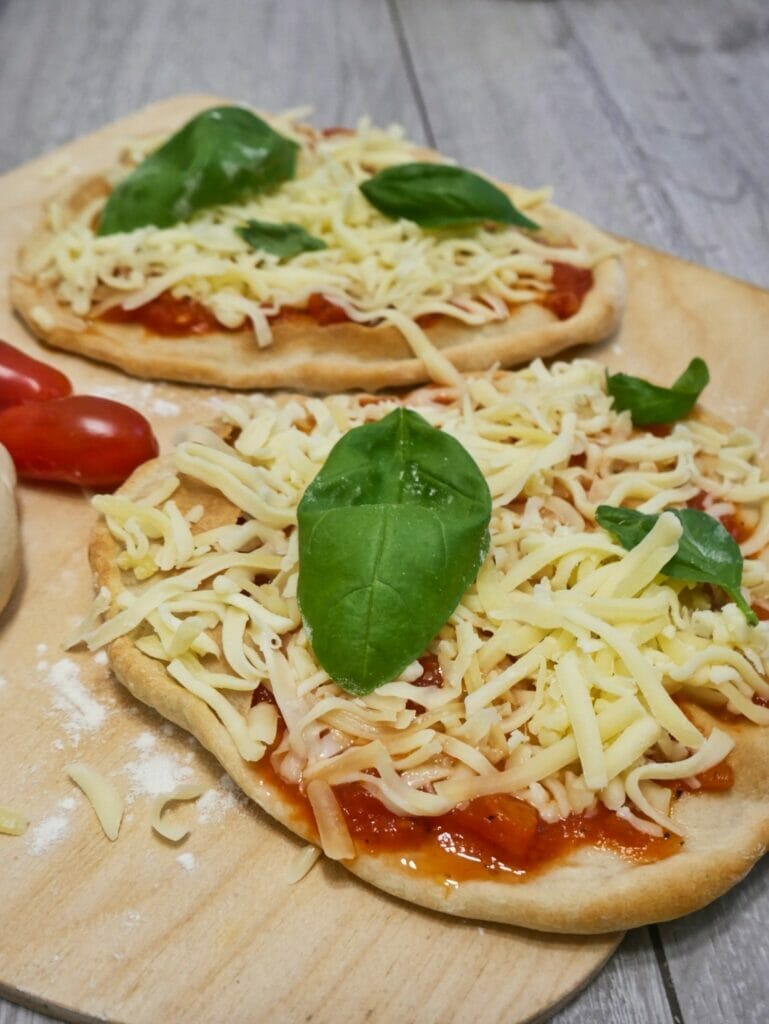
[(439, 196), (392, 532), (707, 552), (221, 156), (649, 403), (283, 240)]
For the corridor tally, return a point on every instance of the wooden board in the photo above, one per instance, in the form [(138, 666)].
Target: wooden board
[(140, 931)]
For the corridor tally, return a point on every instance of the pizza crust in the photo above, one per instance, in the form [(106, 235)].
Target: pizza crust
[(589, 891), (311, 357), (10, 543)]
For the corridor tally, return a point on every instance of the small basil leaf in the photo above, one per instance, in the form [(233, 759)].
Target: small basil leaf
[(440, 195), (221, 156), (707, 552), (283, 240), (649, 403), (392, 532)]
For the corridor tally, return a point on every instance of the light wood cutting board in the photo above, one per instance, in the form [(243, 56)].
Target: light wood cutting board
[(140, 931)]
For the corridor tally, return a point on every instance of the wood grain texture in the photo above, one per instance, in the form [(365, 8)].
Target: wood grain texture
[(612, 137), (104, 60), (627, 108)]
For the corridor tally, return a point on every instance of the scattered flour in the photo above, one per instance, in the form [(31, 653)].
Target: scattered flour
[(153, 773), (214, 805), (101, 658), (187, 861), (3, 682), (69, 803), (47, 833), (162, 407), (131, 918), (141, 396), (83, 713), (41, 649)]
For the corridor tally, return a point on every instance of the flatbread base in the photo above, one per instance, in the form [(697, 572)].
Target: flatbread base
[(589, 891), (307, 356)]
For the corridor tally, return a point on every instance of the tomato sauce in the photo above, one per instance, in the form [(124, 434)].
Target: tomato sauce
[(732, 522), (319, 310), (492, 835), (570, 286), (168, 316)]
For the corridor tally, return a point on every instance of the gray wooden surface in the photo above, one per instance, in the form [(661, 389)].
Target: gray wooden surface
[(652, 119)]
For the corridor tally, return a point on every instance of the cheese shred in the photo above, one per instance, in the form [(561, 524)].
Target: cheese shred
[(565, 672), (375, 269)]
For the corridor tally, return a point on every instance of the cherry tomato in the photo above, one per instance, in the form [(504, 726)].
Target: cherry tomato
[(80, 439), (24, 379)]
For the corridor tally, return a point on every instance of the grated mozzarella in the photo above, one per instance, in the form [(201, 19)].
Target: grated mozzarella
[(375, 268), (563, 664)]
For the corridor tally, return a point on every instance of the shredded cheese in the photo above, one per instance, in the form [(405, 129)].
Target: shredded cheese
[(301, 865), (564, 665), (173, 832), (12, 823), (102, 795)]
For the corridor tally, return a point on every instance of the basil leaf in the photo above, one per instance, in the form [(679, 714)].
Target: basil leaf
[(283, 240), (392, 532), (439, 196), (707, 553), (649, 403), (220, 156)]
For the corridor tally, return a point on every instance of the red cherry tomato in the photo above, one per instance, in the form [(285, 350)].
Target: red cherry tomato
[(81, 439), (24, 379)]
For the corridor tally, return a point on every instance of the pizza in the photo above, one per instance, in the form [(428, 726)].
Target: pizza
[(293, 277), (581, 746), (10, 543)]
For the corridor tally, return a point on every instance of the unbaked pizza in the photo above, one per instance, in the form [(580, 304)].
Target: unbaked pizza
[(258, 252), (499, 652)]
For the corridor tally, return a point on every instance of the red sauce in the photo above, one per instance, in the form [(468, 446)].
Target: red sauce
[(323, 311), (432, 674), (761, 613), (717, 779), (660, 429), (734, 524), (168, 316), (493, 834), (262, 695), (698, 501), (570, 286), (319, 310)]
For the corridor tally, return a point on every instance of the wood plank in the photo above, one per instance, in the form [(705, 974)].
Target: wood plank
[(566, 94), (706, 163), (627, 991), (103, 61), (717, 957), (96, 928)]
